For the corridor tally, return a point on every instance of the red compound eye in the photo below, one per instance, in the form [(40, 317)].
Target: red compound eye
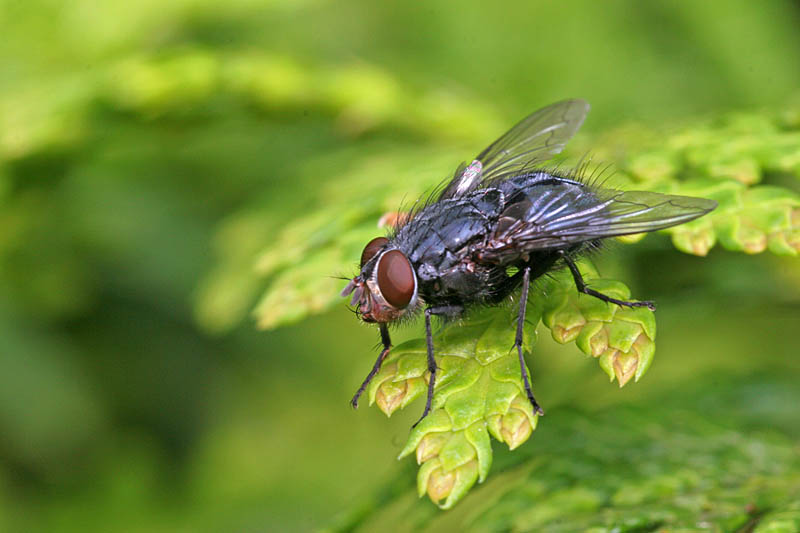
[(372, 248), (395, 278)]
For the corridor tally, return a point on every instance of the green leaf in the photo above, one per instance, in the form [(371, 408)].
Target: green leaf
[(700, 458), (623, 339), (749, 220), (479, 389), (725, 159)]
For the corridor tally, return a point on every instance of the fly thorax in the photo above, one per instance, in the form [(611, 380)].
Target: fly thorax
[(427, 273)]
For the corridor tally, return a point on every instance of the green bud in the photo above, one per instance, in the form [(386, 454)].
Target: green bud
[(622, 339), (515, 427), (430, 446), (450, 485), (563, 317), (451, 461), (695, 240), (593, 339), (645, 348), (456, 451), (437, 421), (625, 365), (393, 395), (440, 484), (632, 363), (753, 240)]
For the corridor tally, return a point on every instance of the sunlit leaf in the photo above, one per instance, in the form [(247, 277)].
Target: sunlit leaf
[(479, 390), (667, 466)]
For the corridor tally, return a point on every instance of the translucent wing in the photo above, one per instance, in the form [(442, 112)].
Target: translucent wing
[(536, 138), (567, 213)]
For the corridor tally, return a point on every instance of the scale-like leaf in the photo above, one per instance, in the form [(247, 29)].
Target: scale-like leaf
[(667, 466), (479, 390)]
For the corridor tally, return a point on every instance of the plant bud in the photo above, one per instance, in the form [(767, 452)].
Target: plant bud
[(393, 395), (515, 427), (450, 486), (430, 445), (390, 396), (440, 484), (625, 365)]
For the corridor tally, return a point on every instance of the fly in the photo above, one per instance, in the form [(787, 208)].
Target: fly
[(500, 214)]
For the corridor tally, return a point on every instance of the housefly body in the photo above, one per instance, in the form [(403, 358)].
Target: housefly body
[(500, 223)]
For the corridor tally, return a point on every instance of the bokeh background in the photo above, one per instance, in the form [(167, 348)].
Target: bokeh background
[(149, 150)]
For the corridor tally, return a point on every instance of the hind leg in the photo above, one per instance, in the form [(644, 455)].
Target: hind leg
[(581, 285)]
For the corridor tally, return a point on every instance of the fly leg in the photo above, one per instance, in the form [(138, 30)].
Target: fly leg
[(387, 345), (442, 310), (581, 285), (431, 367), (523, 302)]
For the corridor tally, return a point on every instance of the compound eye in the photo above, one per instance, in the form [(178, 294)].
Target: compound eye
[(396, 278), (372, 248)]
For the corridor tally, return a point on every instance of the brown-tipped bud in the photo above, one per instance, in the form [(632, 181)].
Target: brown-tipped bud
[(702, 241), (697, 240), (565, 335), (450, 486), (598, 343), (516, 425), (440, 484), (625, 365), (390, 395), (515, 428), (753, 240), (430, 445)]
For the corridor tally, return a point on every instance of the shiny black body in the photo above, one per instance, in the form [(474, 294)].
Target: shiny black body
[(444, 241)]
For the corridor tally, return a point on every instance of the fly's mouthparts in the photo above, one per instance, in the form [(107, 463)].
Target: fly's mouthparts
[(357, 294), (356, 297), (358, 289), (349, 288)]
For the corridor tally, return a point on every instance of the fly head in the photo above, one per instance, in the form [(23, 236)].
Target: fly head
[(386, 287)]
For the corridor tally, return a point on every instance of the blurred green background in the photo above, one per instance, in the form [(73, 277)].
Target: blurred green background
[(149, 150)]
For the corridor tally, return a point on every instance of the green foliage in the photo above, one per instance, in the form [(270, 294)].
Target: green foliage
[(751, 217), (479, 390), (723, 161), (160, 162), (691, 461), (622, 339), (727, 161)]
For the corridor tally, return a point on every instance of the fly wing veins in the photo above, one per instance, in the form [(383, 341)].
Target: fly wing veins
[(535, 139), (561, 215)]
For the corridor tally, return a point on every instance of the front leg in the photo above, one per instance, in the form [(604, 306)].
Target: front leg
[(387, 345), (523, 304), (447, 310), (581, 285)]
